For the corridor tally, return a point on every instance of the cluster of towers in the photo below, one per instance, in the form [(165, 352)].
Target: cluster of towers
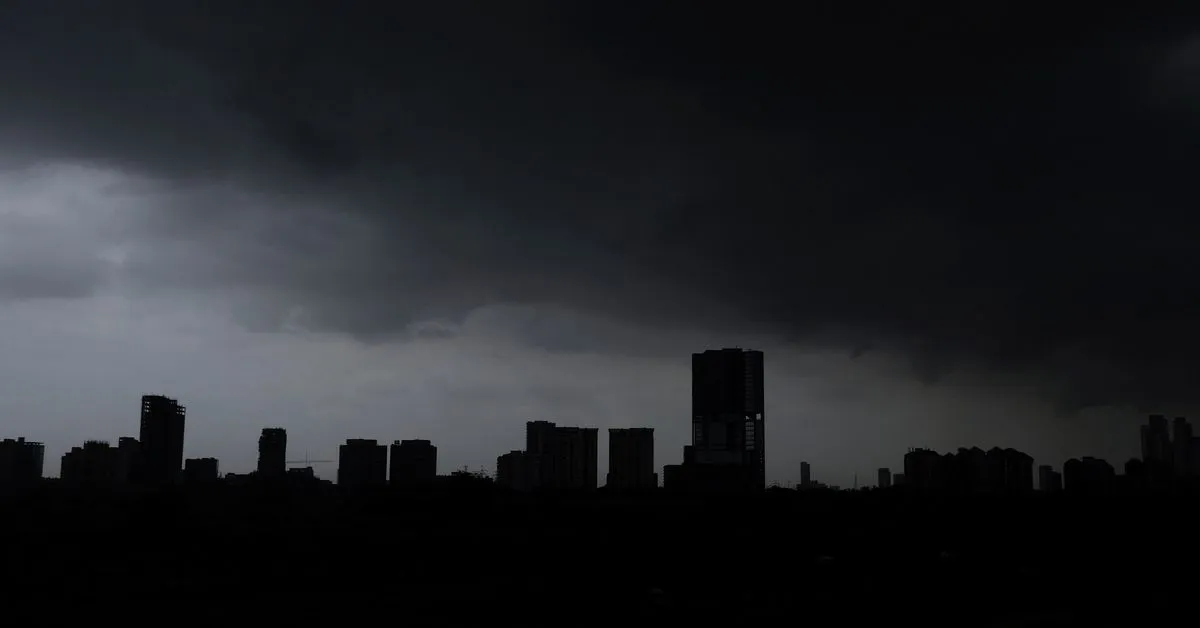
[(727, 448), (969, 469), (727, 452), (154, 458), (365, 462), (558, 457), (1175, 449), (1170, 460)]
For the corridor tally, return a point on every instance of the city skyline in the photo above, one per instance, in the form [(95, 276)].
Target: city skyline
[(686, 281), (441, 222), (727, 418), (559, 458), (326, 459)]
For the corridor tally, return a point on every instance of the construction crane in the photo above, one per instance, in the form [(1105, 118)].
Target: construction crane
[(307, 462)]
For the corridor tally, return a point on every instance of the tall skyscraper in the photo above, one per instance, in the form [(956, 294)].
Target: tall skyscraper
[(272, 452), (414, 463), (161, 436), (631, 459), (885, 478), (805, 474), (362, 462), (728, 411)]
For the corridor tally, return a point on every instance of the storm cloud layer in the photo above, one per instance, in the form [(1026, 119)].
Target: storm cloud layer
[(998, 190)]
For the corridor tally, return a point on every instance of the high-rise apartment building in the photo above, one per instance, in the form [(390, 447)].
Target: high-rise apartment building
[(517, 470), (96, 464), (201, 470), (127, 457), (1049, 480), (728, 412), (631, 459), (414, 463), (160, 457), (21, 461), (564, 457), (272, 452), (362, 462)]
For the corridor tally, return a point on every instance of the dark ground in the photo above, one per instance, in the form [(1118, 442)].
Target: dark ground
[(802, 558)]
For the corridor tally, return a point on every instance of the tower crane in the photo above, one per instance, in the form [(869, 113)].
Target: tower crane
[(307, 461)]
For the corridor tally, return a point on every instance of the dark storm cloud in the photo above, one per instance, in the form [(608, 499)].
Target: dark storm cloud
[(46, 250), (998, 186)]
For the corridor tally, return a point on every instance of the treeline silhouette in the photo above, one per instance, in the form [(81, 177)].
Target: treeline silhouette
[(466, 548)]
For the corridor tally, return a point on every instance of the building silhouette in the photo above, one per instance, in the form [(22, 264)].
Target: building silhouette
[(201, 470), (728, 413), (631, 459), (302, 473), (1156, 442), (1088, 475), (564, 458), (517, 470), (969, 470), (1049, 480), (1013, 470), (1166, 452), (22, 462), (885, 478), (922, 470), (272, 452), (805, 474), (1181, 440), (362, 462), (728, 418), (1193, 468), (160, 455), (128, 449), (413, 463), (94, 465)]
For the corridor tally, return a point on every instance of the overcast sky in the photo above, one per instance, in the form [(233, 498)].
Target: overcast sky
[(944, 228)]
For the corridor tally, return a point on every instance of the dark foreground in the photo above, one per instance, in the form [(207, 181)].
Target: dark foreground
[(812, 559)]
